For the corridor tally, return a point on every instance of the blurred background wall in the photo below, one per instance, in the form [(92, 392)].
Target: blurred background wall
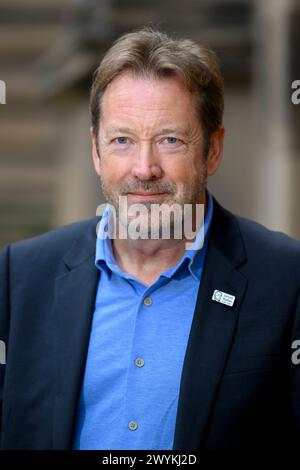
[(48, 52)]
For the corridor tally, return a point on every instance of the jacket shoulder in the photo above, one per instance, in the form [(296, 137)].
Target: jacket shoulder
[(271, 254), (55, 242), (260, 245), (265, 239)]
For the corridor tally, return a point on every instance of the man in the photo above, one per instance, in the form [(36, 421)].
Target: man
[(149, 343)]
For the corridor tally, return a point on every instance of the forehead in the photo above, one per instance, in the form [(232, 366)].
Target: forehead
[(148, 98)]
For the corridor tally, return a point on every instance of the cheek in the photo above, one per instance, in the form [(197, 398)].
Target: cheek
[(184, 171), (114, 171)]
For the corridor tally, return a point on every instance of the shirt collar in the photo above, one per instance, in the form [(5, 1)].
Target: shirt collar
[(193, 256)]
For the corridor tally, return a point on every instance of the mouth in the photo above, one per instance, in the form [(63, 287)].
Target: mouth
[(145, 195)]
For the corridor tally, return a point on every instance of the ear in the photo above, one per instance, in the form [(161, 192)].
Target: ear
[(214, 156), (95, 155)]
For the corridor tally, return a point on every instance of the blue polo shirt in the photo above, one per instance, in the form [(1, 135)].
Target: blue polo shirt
[(138, 340)]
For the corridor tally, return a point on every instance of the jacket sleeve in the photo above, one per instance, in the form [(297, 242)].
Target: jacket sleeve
[(4, 319)]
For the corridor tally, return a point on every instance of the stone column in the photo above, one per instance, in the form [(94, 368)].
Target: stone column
[(275, 163)]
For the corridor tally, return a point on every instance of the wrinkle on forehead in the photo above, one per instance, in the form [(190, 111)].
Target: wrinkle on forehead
[(148, 107), (142, 93)]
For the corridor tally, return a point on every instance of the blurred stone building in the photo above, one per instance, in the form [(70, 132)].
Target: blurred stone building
[(48, 52)]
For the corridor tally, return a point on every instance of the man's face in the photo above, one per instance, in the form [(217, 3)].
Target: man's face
[(151, 143)]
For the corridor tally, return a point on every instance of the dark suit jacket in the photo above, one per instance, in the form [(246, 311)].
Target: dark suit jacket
[(239, 387)]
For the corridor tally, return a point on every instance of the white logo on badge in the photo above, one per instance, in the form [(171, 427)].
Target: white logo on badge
[(223, 298)]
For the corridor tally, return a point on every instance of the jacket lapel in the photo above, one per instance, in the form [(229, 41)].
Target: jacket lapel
[(212, 330), (75, 292)]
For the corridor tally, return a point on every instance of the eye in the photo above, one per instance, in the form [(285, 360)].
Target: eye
[(121, 140), (171, 140)]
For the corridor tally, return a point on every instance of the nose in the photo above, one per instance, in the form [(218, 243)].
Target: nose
[(146, 165)]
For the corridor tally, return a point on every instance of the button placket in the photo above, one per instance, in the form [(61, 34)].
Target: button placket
[(138, 361)]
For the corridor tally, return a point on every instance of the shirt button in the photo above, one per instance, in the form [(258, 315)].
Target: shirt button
[(147, 301), (133, 425), (139, 362)]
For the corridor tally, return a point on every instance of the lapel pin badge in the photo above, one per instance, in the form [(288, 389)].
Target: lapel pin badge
[(223, 298)]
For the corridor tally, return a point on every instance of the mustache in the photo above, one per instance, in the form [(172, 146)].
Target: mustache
[(151, 186)]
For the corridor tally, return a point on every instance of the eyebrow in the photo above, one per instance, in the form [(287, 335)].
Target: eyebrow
[(111, 130), (172, 130), (169, 130)]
